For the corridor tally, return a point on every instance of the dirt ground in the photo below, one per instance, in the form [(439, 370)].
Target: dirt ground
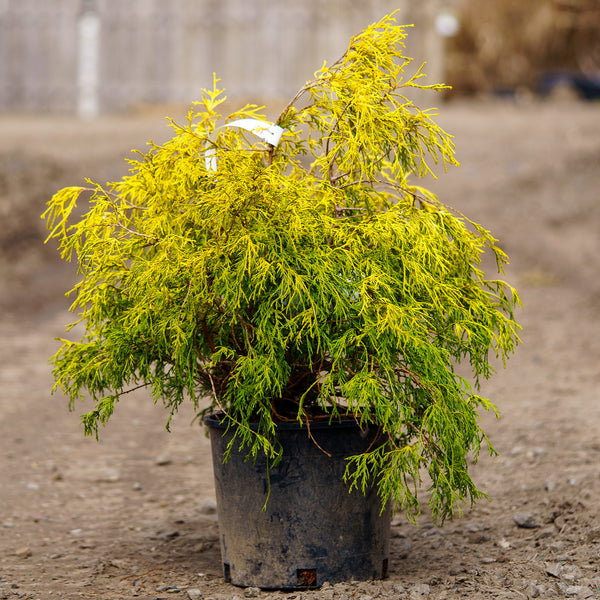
[(133, 515)]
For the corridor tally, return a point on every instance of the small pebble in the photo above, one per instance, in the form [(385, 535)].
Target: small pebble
[(526, 521), (419, 590), (162, 460), (579, 590), (475, 527), (554, 569), (535, 452), (110, 476), (194, 594), (252, 592), (208, 507), (531, 589), (546, 532), (560, 545), (24, 552)]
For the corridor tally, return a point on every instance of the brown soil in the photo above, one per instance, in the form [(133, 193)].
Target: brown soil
[(132, 515)]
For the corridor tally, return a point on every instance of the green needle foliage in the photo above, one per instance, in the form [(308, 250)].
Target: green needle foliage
[(304, 281)]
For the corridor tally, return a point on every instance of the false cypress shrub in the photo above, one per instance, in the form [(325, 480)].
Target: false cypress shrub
[(299, 280)]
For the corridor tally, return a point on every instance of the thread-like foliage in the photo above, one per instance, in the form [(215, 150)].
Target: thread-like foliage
[(311, 280)]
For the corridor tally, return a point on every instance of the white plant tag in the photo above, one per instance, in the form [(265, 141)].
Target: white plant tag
[(268, 132)]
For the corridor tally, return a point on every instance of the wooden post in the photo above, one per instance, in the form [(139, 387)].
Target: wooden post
[(88, 61)]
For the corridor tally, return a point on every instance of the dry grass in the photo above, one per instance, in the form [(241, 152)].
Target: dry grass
[(508, 44)]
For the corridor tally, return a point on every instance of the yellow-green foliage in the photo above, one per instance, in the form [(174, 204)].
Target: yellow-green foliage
[(308, 279)]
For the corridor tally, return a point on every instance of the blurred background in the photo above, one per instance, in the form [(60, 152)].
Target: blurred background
[(82, 82), (91, 57)]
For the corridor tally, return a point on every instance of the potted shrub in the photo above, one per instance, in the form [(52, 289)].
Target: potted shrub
[(290, 277)]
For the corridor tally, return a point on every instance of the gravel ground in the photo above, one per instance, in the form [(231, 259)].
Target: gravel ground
[(133, 516)]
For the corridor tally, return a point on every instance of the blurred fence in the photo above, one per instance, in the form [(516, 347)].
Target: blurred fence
[(93, 56)]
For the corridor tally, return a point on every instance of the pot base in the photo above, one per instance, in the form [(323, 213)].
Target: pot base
[(313, 529)]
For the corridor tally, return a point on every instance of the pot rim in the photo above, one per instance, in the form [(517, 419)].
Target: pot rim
[(215, 421)]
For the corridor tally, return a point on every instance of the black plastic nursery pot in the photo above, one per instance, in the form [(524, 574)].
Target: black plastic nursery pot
[(313, 529)]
